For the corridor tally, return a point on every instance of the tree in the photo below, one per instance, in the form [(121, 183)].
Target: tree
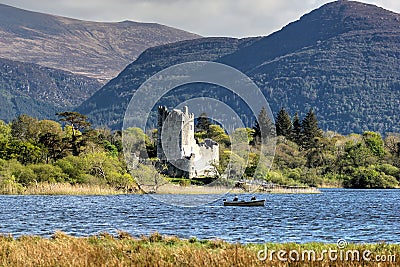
[(77, 120), (296, 131), (240, 143), (50, 137), (104, 167), (5, 136), (54, 146), (48, 173), (374, 142), (392, 143), (151, 143), (370, 177), (25, 152), (218, 134), (75, 168), (264, 127), (283, 124), (135, 140), (203, 123), (148, 178), (25, 128), (355, 155), (78, 125), (310, 130)]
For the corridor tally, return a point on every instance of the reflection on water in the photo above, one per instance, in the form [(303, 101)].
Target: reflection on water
[(355, 215)]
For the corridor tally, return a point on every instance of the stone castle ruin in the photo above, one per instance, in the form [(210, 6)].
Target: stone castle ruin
[(179, 150)]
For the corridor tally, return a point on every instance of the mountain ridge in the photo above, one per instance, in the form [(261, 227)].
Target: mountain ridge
[(95, 49), (322, 23), (332, 59), (115, 95)]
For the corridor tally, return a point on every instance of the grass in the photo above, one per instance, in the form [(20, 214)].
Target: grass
[(157, 250)]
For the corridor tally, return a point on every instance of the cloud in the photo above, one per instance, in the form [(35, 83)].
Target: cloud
[(239, 18)]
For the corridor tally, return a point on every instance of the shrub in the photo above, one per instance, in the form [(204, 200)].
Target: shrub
[(74, 168), (184, 182), (369, 177), (21, 173), (48, 173)]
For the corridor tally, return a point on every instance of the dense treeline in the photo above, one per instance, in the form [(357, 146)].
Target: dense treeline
[(306, 155), (36, 151)]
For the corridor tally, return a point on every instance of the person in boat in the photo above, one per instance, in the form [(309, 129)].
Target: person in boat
[(235, 198), (253, 198)]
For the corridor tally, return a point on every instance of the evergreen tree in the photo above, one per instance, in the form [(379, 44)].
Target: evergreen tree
[(75, 119), (296, 130), (80, 129), (203, 123), (283, 124), (264, 127), (25, 128), (310, 130)]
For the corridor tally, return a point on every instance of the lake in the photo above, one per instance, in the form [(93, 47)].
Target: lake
[(354, 215)]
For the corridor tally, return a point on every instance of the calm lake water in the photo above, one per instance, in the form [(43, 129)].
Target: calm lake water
[(353, 215)]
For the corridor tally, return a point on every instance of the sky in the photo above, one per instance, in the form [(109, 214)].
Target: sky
[(234, 18)]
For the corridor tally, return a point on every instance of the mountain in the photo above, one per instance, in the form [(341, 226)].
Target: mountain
[(94, 49), (342, 60), (107, 106), (345, 65), (27, 88)]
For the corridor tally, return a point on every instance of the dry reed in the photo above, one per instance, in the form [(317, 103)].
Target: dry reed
[(68, 189), (157, 250)]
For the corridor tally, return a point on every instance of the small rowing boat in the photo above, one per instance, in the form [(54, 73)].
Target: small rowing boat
[(243, 203)]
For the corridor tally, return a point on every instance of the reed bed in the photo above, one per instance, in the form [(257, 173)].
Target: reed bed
[(68, 189), (169, 188), (157, 250)]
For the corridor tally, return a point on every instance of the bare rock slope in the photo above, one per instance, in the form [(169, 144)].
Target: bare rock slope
[(94, 49)]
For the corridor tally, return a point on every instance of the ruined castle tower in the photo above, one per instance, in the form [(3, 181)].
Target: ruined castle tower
[(176, 128), (176, 144)]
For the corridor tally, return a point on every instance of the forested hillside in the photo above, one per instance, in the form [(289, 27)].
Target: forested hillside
[(342, 60), (27, 88)]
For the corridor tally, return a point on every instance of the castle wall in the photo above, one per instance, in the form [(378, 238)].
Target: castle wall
[(208, 154)]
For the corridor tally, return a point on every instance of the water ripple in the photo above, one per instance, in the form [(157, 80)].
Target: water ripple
[(355, 215)]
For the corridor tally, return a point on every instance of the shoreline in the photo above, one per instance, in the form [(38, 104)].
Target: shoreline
[(85, 190), (94, 190), (198, 190)]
